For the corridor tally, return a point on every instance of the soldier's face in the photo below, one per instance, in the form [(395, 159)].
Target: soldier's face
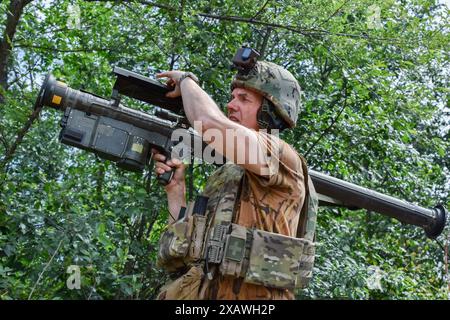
[(243, 107)]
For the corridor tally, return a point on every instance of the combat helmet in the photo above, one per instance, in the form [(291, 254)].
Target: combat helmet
[(277, 85)]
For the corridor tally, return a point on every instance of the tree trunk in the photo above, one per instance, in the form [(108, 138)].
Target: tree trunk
[(14, 12)]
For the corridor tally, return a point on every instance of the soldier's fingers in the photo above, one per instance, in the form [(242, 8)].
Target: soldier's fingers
[(174, 163), (159, 171), (159, 157), (175, 93), (171, 82), (165, 74), (155, 152), (161, 165)]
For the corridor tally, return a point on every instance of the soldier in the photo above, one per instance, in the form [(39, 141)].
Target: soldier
[(251, 203)]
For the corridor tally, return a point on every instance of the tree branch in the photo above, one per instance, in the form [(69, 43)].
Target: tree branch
[(64, 50), (303, 31), (146, 29), (344, 105), (45, 268), (174, 56), (260, 10), (148, 3), (265, 42), (10, 152), (332, 15), (3, 140)]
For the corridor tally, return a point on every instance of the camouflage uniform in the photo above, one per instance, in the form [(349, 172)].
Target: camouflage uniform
[(266, 215), (271, 204)]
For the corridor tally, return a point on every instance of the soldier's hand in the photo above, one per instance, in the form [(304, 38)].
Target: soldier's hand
[(173, 81), (161, 166)]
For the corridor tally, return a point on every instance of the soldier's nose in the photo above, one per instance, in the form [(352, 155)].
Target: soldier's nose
[(231, 106)]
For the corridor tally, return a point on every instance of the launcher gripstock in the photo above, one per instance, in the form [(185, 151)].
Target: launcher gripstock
[(116, 132), (336, 192)]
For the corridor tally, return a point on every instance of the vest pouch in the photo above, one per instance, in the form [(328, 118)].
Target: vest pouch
[(306, 264), (174, 245), (237, 251), (274, 260), (197, 237)]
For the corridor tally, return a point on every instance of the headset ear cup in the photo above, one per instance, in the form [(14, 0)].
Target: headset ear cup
[(262, 116), (267, 117)]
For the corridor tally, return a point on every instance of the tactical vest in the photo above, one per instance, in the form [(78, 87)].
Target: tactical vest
[(208, 238)]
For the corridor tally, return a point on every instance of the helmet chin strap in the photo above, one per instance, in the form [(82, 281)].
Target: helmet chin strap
[(267, 117)]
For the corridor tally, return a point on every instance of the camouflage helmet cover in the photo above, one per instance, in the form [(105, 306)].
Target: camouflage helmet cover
[(277, 85)]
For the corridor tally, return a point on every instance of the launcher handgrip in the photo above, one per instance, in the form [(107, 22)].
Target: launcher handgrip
[(165, 178)]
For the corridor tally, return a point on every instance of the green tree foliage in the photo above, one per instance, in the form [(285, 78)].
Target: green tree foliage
[(375, 80)]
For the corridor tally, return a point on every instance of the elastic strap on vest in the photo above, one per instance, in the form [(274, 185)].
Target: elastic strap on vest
[(214, 282), (237, 202), (301, 227)]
